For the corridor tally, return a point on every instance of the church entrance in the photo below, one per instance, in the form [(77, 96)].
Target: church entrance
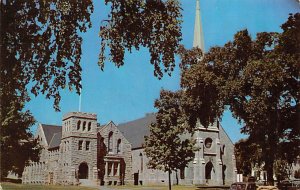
[(83, 172), (208, 170), (136, 178)]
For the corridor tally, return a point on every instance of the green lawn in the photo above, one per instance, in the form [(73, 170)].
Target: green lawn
[(175, 187), (13, 186)]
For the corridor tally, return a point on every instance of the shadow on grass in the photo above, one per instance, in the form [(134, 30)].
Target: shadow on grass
[(205, 187)]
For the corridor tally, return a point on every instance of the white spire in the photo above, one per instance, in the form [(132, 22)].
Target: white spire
[(198, 31)]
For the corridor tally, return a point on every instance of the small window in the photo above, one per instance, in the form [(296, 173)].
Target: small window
[(109, 169), (89, 126), (115, 168), (119, 146), (110, 142), (83, 126), (78, 125), (208, 142), (87, 145), (142, 162), (80, 145)]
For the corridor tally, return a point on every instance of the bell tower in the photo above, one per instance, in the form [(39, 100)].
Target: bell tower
[(207, 163), (79, 146)]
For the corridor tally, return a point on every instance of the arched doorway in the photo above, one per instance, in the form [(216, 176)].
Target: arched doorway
[(208, 170), (83, 172)]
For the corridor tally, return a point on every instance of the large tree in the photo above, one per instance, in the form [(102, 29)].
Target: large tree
[(169, 145), (258, 80), (40, 53), (248, 155)]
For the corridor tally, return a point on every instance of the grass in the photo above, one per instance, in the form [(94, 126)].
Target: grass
[(175, 187), (13, 186)]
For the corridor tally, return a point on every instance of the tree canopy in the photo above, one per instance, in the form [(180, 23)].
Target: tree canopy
[(169, 145), (258, 80), (155, 25), (40, 53)]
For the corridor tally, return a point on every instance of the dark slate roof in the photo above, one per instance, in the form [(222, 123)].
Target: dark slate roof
[(134, 131), (55, 141), (50, 130)]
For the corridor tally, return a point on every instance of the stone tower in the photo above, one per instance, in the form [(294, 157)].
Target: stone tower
[(207, 165), (78, 148)]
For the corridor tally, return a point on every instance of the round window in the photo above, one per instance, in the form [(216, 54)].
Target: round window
[(208, 142)]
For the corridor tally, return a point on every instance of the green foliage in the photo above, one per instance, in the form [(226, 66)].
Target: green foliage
[(16, 141), (41, 44), (248, 154), (282, 169), (201, 101), (169, 146), (40, 53), (259, 80), (155, 25)]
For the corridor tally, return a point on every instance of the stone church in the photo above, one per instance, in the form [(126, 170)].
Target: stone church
[(82, 150)]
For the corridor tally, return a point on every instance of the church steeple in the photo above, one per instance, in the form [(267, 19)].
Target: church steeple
[(198, 31)]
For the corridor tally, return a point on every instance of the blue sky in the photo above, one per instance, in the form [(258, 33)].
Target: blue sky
[(127, 93)]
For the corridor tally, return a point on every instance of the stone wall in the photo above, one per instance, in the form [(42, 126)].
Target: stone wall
[(119, 153), (145, 175), (79, 146), (228, 157)]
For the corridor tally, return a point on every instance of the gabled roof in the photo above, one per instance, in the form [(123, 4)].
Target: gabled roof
[(134, 131), (50, 130), (55, 141)]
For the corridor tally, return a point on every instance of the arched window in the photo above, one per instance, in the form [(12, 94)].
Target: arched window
[(110, 142), (119, 146), (78, 125), (83, 126), (208, 170), (89, 126)]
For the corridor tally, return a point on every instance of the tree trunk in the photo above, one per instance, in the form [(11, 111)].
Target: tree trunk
[(270, 179), (177, 180), (169, 179)]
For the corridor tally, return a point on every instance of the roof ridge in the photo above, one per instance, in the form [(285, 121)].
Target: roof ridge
[(145, 116), (52, 125)]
